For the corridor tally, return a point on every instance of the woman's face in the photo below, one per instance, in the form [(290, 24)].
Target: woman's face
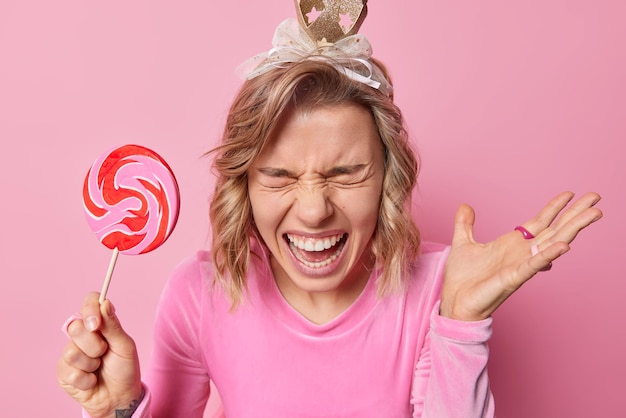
[(315, 191)]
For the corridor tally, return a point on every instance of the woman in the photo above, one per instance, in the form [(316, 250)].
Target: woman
[(316, 299)]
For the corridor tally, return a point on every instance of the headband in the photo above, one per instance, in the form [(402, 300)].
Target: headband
[(329, 34)]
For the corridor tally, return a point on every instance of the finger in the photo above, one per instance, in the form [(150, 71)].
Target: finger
[(118, 340), (72, 379), (568, 232), (74, 357), (542, 261), (90, 343), (464, 225), (588, 200), (548, 214), (90, 311)]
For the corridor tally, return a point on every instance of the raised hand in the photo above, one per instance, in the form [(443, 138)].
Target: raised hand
[(479, 277), (99, 367)]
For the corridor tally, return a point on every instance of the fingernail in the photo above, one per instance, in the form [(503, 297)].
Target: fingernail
[(91, 323)]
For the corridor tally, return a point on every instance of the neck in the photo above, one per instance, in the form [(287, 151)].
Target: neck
[(324, 306)]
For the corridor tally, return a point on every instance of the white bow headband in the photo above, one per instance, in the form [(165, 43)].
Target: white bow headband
[(350, 55)]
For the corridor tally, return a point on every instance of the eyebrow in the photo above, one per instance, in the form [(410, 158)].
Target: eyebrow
[(335, 171)]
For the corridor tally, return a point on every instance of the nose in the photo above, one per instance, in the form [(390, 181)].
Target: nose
[(313, 206)]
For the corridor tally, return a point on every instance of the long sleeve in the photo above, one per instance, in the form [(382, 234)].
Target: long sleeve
[(450, 378), (177, 378), (177, 383)]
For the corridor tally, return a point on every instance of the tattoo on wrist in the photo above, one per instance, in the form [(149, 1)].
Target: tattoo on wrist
[(127, 413)]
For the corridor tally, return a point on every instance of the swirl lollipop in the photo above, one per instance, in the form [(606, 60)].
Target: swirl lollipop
[(131, 201)]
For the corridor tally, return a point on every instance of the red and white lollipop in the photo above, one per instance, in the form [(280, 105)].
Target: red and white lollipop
[(131, 201)]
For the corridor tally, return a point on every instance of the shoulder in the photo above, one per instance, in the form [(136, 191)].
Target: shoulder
[(192, 277), (429, 247), (432, 259), (196, 268), (427, 271)]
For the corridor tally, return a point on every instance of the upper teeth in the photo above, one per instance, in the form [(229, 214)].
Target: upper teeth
[(314, 244)]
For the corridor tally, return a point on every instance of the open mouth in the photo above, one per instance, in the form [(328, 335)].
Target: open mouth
[(316, 252)]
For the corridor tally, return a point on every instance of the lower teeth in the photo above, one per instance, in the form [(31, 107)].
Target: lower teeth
[(316, 264)]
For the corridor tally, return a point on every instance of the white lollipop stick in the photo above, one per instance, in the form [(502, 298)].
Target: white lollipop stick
[(107, 279)]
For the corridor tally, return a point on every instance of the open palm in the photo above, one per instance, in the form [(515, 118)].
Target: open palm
[(479, 277)]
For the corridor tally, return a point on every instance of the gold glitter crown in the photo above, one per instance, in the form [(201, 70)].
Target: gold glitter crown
[(328, 21)]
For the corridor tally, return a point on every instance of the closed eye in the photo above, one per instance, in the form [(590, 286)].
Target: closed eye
[(349, 175), (276, 178)]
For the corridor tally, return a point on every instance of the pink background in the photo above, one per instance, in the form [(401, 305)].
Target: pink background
[(509, 103)]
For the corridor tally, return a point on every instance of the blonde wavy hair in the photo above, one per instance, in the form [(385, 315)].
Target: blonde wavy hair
[(253, 116)]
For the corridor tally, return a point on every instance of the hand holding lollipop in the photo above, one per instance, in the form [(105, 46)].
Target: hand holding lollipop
[(131, 201)]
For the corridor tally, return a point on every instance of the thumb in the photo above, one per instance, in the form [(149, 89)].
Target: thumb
[(111, 329), (464, 225)]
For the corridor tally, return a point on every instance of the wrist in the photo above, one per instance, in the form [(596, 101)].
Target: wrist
[(459, 314), (127, 410)]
